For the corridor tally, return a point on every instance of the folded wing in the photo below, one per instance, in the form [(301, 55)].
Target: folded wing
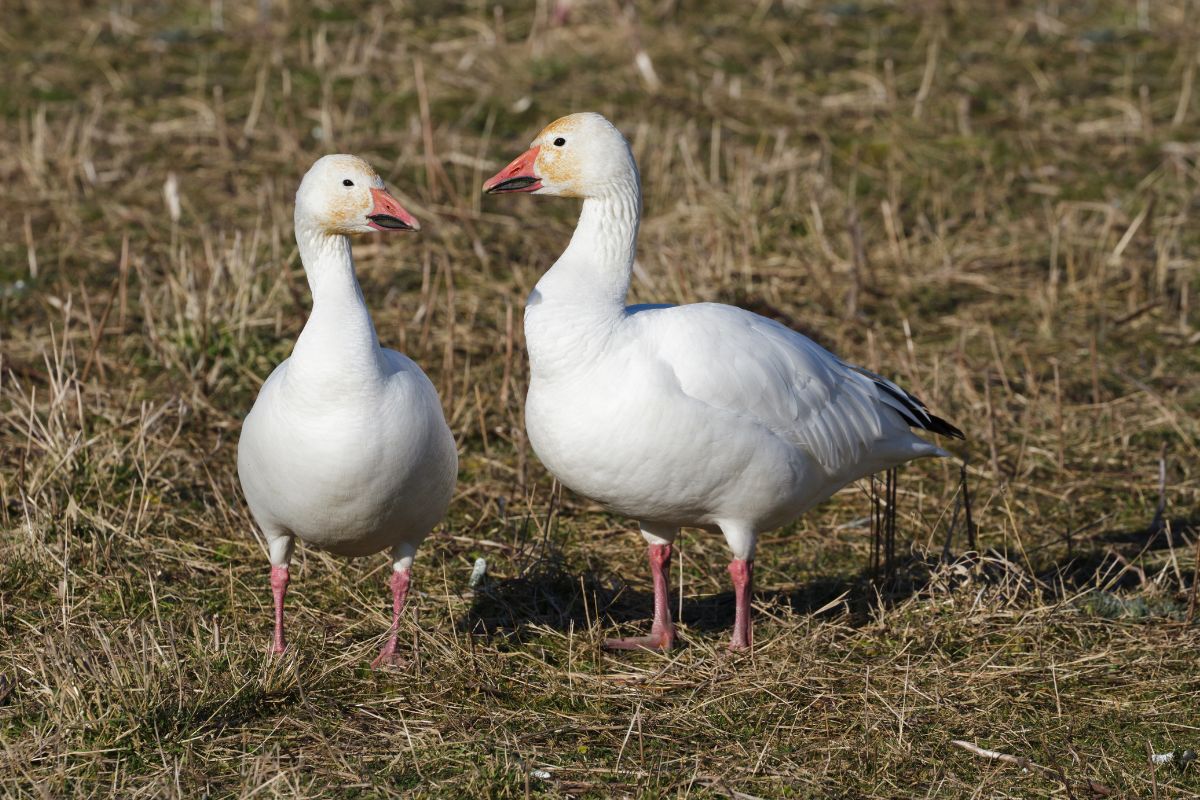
[(755, 368)]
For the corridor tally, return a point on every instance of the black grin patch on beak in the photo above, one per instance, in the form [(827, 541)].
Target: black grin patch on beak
[(388, 221), (513, 184)]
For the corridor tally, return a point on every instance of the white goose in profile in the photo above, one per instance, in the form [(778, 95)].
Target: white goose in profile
[(346, 447), (701, 415)]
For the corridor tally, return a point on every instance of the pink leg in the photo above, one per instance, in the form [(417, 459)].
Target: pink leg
[(387, 656), (279, 582), (742, 573), (662, 632)]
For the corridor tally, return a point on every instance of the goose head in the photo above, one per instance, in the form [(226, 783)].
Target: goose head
[(580, 155), (342, 195)]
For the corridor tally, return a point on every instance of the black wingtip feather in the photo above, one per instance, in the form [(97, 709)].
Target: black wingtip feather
[(939, 425), (917, 415), (912, 409)]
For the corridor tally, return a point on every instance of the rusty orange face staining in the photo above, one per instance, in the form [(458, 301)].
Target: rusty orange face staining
[(555, 165), (345, 210), (561, 126)]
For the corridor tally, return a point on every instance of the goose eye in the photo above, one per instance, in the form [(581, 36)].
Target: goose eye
[(559, 142), (347, 182)]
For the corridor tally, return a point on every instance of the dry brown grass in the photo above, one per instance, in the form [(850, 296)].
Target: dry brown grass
[(994, 203)]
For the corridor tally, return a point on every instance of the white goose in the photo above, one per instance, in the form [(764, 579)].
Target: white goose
[(701, 415), (346, 447)]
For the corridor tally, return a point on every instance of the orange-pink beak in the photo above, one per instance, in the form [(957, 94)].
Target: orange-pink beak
[(388, 215), (519, 176)]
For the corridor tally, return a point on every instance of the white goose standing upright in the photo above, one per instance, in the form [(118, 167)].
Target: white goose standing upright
[(346, 447), (700, 415)]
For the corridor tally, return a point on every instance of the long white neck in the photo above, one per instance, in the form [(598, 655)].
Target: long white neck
[(583, 294), (595, 268), (338, 344)]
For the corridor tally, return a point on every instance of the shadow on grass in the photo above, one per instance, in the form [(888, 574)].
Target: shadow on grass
[(1111, 559), (547, 593)]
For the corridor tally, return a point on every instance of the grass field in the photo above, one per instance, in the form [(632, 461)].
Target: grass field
[(995, 203)]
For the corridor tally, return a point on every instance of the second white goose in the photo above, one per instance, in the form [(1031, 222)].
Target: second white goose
[(700, 415), (346, 447)]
